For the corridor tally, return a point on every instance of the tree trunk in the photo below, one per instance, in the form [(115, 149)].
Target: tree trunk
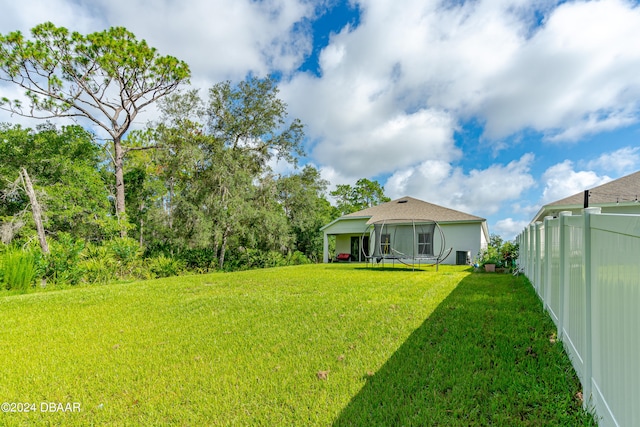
[(223, 247), (141, 231), (36, 209), (141, 209), (118, 163), (170, 204)]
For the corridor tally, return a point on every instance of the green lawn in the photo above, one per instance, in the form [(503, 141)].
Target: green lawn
[(307, 345)]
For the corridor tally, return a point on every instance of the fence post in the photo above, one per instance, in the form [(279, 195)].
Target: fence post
[(587, 392), (564, 271), (548, 237), (539, 257), (532, 253)]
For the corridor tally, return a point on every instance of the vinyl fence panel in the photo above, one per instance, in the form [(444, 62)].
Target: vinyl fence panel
[(615, 251), (586, 270), (573, 332), (552, 267)]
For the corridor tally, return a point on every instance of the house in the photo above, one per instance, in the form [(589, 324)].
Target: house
[(618, 196), (414, 229)]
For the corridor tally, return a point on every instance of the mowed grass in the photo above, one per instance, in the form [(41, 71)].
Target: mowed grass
[(306, 345)]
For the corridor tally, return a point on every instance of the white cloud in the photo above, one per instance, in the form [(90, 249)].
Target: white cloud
[(481, 192), (393, 90), (224, 39), (220, 40), (509, 228), (561, 180), (26, 14), (622, 161), (574, 77)]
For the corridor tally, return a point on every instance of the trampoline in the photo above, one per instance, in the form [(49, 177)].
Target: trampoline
[(409, 242)]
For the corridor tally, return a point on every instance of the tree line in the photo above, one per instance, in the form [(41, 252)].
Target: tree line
[(193, 191)]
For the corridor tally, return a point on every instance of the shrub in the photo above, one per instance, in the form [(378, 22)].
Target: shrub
[(297, 258), (97, 271), (201, 260), (127, 254), (99, 264), (63, 263), (502, 254), (18, 269), (125, 249), (163, 266)]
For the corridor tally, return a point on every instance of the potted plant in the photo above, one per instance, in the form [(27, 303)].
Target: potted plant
[(490, 259)]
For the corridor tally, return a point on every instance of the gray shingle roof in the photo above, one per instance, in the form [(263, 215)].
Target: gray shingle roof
[(623, 189), (408, 208)]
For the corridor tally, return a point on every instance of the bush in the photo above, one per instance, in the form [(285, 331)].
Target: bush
[(63, 263), (18, 269), (297, 258), (201, 260), (163, 266), (127, 254), (99, 264), (502, 254)]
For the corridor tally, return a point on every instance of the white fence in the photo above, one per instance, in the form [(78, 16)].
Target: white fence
[(586, 270)]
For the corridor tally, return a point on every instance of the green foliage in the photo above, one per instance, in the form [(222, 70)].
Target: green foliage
[(71, 71), (509, 252), (302, 197), (364, 194), (297, 258), (63, 263), (63, 164), (200, 260), (17, 269), (502, 254), (125, 249), (163, 266), (98, 264), (251, 118), (199, 202), (107, 77)]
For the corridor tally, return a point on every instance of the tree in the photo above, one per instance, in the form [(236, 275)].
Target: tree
[(63, 165), (364, 194), (220, 190), (249, 122), (251, 118), (302, 197), (107, 77)]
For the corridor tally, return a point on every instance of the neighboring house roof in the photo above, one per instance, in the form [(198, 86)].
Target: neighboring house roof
[(408, 208), (625, 190)]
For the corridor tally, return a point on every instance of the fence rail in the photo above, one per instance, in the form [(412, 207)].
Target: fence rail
[(586, 270)]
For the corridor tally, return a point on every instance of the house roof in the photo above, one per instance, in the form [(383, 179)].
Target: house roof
[(625, 190), (408, 208), (622, 189)]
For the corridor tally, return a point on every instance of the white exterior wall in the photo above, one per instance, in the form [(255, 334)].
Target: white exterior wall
[(343, 229), (467, 237), (343, 243), (462, 237)]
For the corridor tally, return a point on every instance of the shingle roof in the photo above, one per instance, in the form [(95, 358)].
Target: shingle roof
[(408, 208), (623, 189)]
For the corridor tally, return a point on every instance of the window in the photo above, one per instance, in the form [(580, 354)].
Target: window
[(425, 244), (385, 243)]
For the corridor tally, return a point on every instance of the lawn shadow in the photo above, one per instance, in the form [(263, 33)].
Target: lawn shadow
[(399, 267), (483, 357)]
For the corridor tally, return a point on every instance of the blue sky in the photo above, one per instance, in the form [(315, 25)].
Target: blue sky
[(492, 107)]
